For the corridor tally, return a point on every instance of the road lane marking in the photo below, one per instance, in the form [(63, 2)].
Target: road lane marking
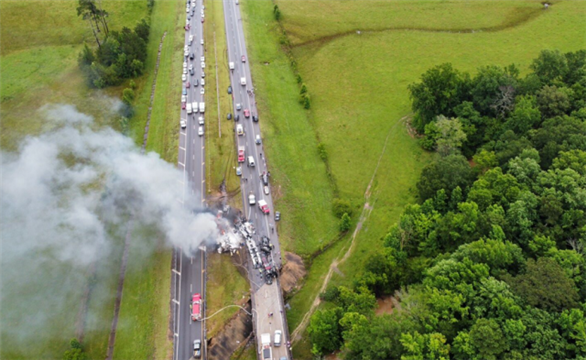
[(176, 272), (176, 302), (180, 164)]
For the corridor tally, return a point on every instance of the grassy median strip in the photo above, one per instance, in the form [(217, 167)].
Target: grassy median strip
[(220, 144)]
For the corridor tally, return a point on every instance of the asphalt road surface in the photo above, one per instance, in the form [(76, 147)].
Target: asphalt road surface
[(189, 269), (266, 299)]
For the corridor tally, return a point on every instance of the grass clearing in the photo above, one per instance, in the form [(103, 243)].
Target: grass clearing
[(311, 20), (39, 63), (40, 23), (226, 286)]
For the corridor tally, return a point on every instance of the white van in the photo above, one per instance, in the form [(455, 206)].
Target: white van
[(251, 161), (243, 81), (277, 341), (194, 107)]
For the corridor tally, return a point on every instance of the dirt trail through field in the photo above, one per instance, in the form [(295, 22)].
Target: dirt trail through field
[(366, 210)]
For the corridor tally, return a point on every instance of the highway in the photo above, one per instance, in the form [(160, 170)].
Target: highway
[(188, 275), (267, 300)]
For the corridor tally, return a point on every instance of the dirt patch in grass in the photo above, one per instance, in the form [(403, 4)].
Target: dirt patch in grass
[(232, 336), (293, 272)]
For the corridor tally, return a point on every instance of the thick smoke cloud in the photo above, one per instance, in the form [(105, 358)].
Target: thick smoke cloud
[(67, 194)]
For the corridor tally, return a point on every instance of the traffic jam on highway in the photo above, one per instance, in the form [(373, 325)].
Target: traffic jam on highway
[(255, 227), (190, 334), (189, 102)]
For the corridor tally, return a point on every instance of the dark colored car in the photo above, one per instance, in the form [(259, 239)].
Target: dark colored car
[(265, 178), (277, 216), (192, 56), (254, 118), (229, 89), (237, 117), (229, 117)]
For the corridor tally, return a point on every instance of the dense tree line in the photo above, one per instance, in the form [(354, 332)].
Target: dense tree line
[(119, 54), (490, 264)]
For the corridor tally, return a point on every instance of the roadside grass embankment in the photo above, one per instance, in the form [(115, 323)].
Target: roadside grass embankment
[(300, 186), (144, 313)]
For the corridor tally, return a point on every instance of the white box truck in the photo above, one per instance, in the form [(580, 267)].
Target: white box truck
[(202, 107), (267, 352), (194, 106), (243, 81), (189, 108)]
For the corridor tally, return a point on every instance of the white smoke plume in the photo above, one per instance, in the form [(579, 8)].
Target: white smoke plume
[(62, 194)]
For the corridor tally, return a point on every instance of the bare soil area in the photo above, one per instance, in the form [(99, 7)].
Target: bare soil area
[(293, 272)]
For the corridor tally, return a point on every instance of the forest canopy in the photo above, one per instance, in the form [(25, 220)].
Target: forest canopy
[(490, 263)]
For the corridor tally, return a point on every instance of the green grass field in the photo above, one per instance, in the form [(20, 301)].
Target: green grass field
[(313, 20), (40, 44), (358, 85)]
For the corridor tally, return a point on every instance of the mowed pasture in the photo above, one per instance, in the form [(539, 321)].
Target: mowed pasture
[(315, 20), (357, 59)]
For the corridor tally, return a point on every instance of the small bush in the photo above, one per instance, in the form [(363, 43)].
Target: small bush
[(128, 96), (303, 89), (345, 223), (306, 102), (331, 294), (323, 154), (299, 79)]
